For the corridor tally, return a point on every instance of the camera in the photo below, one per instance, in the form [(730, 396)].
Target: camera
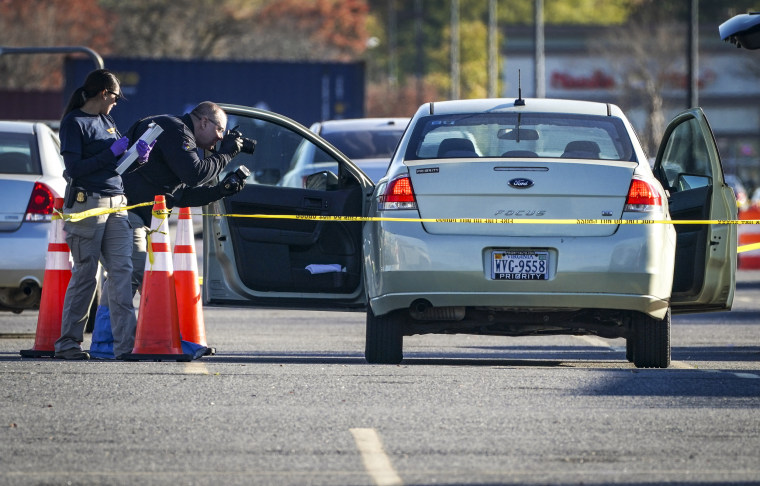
[(249, 144), (236, 177)]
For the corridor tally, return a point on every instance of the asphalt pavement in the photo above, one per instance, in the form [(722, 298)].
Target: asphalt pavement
[(289, 400)]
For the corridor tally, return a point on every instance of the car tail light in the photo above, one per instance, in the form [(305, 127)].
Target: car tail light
[(40, 207), (398, 195), (643, 197)]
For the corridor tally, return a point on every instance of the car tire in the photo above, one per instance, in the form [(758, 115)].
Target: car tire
[(385, 339), (630, 344), (652, 341)]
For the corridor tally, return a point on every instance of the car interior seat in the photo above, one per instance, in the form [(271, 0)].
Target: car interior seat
[(456, 147), (15, 163), (581, 149)]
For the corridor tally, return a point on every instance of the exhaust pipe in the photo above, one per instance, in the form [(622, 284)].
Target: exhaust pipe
[(423, 310), (29, 287)]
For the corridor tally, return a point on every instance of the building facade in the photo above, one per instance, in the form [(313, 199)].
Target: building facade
[(728, 87)]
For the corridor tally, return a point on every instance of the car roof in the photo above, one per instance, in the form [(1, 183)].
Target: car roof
[(361, 124), (16, 126), (534, 105)]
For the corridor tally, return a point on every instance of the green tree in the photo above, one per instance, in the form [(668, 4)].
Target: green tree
[(402, 49)]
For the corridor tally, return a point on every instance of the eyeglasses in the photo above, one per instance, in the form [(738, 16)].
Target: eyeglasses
[(116, 95), (219, 127)]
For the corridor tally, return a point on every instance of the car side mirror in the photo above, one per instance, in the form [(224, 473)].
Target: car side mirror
[(684, 182), (742, 30), (321, 181)]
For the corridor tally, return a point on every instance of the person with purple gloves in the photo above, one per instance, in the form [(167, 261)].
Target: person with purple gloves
[(91, 146)]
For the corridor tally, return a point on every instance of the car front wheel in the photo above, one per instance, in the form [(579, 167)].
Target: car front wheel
[(652, 341), (384, 340)]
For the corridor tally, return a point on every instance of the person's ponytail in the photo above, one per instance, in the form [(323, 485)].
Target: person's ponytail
[(77, 100), (96, 82)]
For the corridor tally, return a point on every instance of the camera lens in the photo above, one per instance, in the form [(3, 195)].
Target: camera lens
[(249, 145)]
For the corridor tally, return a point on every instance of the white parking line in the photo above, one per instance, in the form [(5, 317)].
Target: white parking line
[(375, 460), (195, 368), (599, 342), (596, 341), (680, 365), (746, 375)]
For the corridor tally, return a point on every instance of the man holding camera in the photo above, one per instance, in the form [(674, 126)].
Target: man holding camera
[(176, 170)]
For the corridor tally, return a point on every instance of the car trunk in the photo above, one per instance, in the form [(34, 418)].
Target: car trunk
[(546, 189), (14, 199)]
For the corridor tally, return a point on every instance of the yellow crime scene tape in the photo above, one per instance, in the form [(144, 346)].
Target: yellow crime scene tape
[(741, 249)]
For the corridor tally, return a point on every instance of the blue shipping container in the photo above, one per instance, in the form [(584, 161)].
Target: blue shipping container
[(306, 92)]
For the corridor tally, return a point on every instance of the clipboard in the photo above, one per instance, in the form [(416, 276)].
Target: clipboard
[(131, 154)]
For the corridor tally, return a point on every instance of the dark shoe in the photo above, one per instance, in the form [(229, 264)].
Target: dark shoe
[(72, 353)]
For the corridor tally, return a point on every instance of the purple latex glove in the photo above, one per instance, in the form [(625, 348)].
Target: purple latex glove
[(143, 151), (120, 146)]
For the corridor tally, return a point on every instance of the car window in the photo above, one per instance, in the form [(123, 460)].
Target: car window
[(51, 146), (18, 154), (282, 157), (520, 135), (685, 153), (365, 144)]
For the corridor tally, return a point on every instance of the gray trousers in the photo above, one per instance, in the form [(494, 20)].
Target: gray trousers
[(106, 238), (139, 254)]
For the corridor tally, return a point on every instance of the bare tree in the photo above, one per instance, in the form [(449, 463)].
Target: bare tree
[(47, 23), (645, 55), (180, 29)]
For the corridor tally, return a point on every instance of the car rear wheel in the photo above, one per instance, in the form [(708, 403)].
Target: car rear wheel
[(629, 345), (384, 340), (652, 341)]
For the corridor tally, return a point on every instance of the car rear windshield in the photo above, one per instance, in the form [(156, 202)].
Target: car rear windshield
[(365, 144), (520, 135), (18, 154)]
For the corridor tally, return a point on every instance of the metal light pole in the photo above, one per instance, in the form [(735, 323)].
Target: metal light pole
[(539, 60), (693, 54), (419, 41), (392, 52), (454, 49), (493, 60)]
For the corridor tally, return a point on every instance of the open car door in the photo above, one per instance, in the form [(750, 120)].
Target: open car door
[(688, 166), (256, 252)]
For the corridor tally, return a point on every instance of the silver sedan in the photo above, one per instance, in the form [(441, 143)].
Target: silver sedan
[(500, 216), (31, 177)]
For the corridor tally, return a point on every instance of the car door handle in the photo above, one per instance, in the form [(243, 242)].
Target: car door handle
[(314, 203)]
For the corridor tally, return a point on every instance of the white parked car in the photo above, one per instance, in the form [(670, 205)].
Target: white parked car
[(368, 142), (421, 264), (31, 177)]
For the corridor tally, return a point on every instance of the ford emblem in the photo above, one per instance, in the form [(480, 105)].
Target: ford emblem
[(521, 183)]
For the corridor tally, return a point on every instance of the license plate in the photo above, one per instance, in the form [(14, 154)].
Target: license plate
[(519, 265)]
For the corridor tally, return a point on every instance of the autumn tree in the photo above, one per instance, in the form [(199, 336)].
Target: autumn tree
[(399, 50), (47, 23), (327, 30)]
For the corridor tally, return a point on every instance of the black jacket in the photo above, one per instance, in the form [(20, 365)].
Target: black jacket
[(174, 168)]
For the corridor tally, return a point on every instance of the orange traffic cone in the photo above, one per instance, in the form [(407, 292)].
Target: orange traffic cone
[(189, 306), (157, 336), (56, 280)]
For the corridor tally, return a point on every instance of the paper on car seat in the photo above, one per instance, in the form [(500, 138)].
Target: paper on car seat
[(131, 154), (325, 268)]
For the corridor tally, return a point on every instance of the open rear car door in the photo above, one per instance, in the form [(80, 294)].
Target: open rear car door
[(688, 166), (256, 252)]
